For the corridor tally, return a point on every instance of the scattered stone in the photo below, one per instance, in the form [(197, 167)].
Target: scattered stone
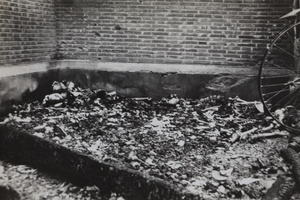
[(173, 139), (247, 181), (217, 176)]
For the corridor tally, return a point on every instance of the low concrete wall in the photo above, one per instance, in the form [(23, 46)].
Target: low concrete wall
[(22, 148), (29, 82), (24, 83)]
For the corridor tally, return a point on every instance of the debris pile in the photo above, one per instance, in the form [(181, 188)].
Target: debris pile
[(289, 116), (213, 146), (23, 182)]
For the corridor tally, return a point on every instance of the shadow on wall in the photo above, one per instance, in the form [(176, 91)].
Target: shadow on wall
[(24, 88), (235, 85), (15, 87)]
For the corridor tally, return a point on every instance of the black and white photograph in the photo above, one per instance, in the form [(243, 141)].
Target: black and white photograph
[(149, 99)]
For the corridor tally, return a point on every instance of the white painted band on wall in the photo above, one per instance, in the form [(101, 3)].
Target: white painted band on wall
[(14, 70)]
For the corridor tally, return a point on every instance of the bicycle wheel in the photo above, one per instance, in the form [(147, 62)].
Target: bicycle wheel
[(279, 79)]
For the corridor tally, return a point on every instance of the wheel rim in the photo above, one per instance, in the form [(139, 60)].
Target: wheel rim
[(279, 79)]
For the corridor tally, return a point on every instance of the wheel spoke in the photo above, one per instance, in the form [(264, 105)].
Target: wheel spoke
[(288, 53), (293, 42), (279, 76), (278, 92), (287, 96), (273, 85), (278, 66), (274, 92), (271, 77), (289, 67)]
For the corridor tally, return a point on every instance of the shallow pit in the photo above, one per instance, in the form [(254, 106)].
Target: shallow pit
[(77, 167)]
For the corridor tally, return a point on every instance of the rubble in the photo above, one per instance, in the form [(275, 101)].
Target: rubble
[(283, 188), (23, 182), (286, 184), (214, 146), (293, 158)]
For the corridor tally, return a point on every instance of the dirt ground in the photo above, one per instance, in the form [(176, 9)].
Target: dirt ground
[(217, 147)]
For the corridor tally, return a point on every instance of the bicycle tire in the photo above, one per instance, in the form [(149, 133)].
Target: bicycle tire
[(279, 79)]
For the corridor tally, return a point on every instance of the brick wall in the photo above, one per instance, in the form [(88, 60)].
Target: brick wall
[(27, 31), (226, 32)]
